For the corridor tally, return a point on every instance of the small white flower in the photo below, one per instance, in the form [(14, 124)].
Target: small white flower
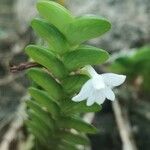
[(99, 87)]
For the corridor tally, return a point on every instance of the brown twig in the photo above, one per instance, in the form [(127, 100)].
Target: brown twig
[(23, 66)]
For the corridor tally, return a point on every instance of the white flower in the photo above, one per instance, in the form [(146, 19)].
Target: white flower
[(99, 87)]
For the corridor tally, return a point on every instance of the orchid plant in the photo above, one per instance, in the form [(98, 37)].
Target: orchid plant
[(59, 83)]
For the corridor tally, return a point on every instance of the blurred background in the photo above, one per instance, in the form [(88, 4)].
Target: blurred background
[(124, 124)]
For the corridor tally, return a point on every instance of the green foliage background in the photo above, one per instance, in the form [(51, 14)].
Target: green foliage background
[(134, 65)]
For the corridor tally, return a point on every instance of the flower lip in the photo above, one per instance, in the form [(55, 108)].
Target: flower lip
[(98, 83)]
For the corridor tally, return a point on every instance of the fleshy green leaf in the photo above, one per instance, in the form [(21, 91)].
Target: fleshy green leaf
[(42, 78), (55, 39), (44, 57), (40, 115), (36, 130), (81, 107), (84, 55), (74, 138), (45, 101), (86, 27), (37, 120), (73, 83), (42, 135), (70, 107), (55, 14), (67, 146), (79, 125)]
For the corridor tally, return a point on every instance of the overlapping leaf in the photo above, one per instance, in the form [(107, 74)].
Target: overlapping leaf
[(47, 59), (76, 30), (55, 14), (84, 55), (70, 107), (55, 39), (43, 79), (45, 101), (40, 115), (77, 124), (72, 84), (73, 138), (86, 27)]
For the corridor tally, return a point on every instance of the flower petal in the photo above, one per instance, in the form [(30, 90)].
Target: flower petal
[(100, 98), (112, 79), (92, 97), (90, 101), (109, 94), (84, 92)]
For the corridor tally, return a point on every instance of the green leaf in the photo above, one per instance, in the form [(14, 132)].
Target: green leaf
[(79, 125), (81, 107), (40, 115), (142, 54), (73, 138), (125, 61), (55, 39), (116, 67), (70, 107), (77, 30), (36, 130), (73, 83), (43, 136), (67, 146), (84, 55), (44, 100), (44, 57), (55, 14), (42, 78), (86, 27), (37, 120)]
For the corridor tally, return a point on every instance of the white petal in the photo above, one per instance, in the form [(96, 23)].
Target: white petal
[(112, 79), (84, 92), (92, 97), (109, 94), (100, 98), (90, 101), (98, 82)]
